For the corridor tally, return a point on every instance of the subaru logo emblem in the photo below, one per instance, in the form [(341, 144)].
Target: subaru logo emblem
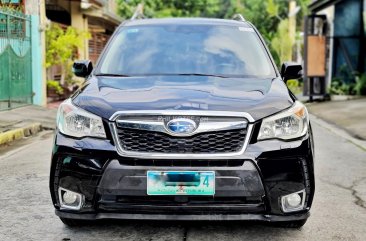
[(181, 126)]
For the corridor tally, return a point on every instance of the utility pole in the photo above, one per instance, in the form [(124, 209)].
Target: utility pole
[(292, 23), (139, 12)]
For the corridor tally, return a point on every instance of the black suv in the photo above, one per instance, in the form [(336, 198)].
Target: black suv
[(184, 119)]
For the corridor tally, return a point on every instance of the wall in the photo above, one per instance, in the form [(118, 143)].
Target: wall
[(80, 22), (39, 84), (347, 33)]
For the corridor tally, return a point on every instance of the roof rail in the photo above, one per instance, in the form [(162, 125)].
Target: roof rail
[(238, 17)]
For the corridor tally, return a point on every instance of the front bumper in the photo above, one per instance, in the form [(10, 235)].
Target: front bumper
[(248, 187), (184, 217)]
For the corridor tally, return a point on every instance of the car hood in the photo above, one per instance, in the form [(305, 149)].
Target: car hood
[(104, 96)]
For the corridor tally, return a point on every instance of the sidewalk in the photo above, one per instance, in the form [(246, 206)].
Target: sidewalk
[(26, 121), (349, 115)]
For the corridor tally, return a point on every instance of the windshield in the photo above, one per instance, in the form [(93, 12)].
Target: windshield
[(227, 51)]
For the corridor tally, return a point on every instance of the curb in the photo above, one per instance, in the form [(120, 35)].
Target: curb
[(19, 133), (338, 131)]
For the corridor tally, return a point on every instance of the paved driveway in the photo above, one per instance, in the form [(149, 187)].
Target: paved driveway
[(339, 210)]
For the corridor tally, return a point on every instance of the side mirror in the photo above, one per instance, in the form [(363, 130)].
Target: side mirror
[(82, 68), (291, 70)]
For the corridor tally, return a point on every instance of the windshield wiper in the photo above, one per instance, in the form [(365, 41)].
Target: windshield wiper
[(197, 74), (163, 74), (112, 75)]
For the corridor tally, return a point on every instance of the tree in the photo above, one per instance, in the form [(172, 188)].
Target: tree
[(266, 15), (171, 8), (282, 43), (61, 46)]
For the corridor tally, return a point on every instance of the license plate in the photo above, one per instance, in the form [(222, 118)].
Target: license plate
[(180, 183)]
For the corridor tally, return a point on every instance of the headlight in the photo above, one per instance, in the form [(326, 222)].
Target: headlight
[(289, 124), (76, 122)]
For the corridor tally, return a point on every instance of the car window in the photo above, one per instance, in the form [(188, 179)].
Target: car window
[(187, 49)]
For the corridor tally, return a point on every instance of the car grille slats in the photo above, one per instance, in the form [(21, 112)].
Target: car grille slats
[(228, 141), (189, 205), (182, 163)]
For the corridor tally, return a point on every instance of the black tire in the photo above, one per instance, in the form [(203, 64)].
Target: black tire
[(73, 222), (290, 224)]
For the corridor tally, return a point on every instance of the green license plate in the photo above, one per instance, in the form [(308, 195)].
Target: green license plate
[(180, 183)]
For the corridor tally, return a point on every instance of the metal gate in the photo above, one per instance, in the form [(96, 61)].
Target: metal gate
[(15, 60)]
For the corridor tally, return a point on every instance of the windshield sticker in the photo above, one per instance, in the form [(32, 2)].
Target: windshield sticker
[(133, 30), (243, 29)]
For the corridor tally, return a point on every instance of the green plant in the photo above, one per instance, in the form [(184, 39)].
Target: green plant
[(266, 15), (295, 86), (11, 8), (61, 48), (360, 87), (338, 87), (171, 8), (55, 85), (346, 74), (282, 42)]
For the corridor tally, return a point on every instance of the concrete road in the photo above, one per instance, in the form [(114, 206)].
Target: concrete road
[(339, 210)]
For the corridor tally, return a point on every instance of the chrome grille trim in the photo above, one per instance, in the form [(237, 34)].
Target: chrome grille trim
[(181, 113), (149, 155), (159, 126)]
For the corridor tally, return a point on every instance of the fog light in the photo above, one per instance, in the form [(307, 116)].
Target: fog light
[(69, 199), (293, 202)]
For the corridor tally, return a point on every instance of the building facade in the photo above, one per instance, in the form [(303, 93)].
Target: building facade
[(345, 34), (98, 17)]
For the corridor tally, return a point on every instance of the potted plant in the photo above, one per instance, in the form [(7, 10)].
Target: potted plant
[(61, 49), (54, 90)]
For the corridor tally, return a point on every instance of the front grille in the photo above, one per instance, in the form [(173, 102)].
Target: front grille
[(181, 204), (182, 163), (166, 200), (229, 141)]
